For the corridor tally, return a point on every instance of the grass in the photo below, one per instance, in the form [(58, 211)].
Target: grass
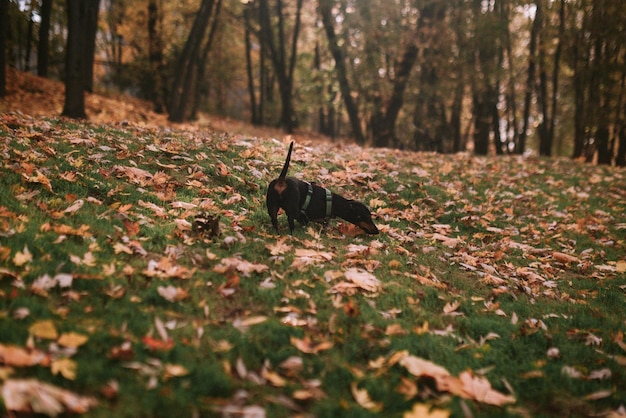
[(468, 262)]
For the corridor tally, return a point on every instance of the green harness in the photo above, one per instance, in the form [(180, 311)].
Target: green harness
[(307, 201)]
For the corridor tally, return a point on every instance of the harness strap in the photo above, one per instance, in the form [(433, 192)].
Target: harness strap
[(329, 203), (307, 201)]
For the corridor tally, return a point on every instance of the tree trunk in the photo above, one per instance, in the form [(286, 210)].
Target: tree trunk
[(325, 9), (455, 118), (81, 14), (482, 124), (4, 29), (156, 85), (184, 78), (202, 58), (620, 160), (43, 47), (386, 131), (249, 66), (29, 37), (530, 80)]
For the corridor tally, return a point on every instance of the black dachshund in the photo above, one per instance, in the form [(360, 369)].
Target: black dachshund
[(308, 202)]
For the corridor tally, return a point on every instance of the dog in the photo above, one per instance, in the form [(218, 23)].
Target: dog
[(304, 202)]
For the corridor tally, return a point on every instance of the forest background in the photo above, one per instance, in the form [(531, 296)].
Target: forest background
[(489, 76)]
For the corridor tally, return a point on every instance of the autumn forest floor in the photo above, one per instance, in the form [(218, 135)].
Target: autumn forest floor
[(140, 275)]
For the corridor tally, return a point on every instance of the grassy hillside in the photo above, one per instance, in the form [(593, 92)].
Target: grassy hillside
[(139, 273)]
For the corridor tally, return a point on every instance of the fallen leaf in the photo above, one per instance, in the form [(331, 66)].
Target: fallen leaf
[(65, 366), (172, 294), (22, 257), (75, 207), (30, 395), (364, 279), (479, 389), (564, 258), (309, 347), (21, 357), (421, 410), (158, 345), (44, 329), (174, 370), (419, 367), (279, 247), (362, 397), (273, 378), (72, 339)]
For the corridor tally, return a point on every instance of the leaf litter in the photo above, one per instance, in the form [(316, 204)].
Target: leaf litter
[(463, 240)]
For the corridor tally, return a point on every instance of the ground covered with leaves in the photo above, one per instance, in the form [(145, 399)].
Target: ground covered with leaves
[(140, 276)]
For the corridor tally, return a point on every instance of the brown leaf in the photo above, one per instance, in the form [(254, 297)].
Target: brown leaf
[(565, 258)]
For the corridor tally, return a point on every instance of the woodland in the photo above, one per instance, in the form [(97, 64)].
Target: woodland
[(140, 273), (489, 76)]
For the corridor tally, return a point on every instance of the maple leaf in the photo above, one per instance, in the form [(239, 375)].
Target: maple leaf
[(279, 247)]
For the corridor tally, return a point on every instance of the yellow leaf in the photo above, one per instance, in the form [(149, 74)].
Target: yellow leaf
[(621, 266), (423, 411), (22, 257), (44, 329), (72, 339), (66, 367)]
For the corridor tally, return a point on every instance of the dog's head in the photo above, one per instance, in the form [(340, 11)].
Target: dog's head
[(361, 217)]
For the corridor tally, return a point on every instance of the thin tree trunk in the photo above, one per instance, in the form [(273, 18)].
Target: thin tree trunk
[(386, 132), (249, 67), (43, 48), (530, 80), (185, 73), (155, 57), (4, 29), (325, 9)]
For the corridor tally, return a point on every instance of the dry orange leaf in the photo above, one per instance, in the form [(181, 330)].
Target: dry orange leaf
[(20, 357)]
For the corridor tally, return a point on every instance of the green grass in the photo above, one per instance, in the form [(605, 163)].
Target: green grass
[(512, 300)]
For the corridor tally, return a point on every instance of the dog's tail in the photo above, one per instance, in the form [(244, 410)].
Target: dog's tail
[(283, 173)]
